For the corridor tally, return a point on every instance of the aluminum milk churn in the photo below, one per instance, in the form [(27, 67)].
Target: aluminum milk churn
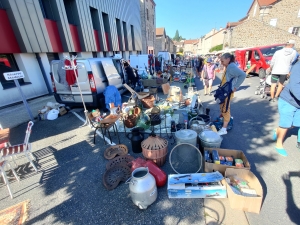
[(142, 186)]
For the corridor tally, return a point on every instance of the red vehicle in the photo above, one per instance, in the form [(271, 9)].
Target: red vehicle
[(257, 59)]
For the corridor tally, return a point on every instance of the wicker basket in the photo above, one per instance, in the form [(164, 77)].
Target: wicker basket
[(156, 149), (148, 102), (130, 121)]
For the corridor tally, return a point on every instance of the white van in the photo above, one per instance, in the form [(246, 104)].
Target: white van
[(94, 75)]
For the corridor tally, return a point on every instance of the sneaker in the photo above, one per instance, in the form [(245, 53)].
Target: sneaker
[(210, 94), (222, 132), (271, 99), (298, 145)]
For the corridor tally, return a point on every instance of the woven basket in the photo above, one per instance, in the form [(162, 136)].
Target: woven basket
[(148, 102), (130, 121), (155, 149)]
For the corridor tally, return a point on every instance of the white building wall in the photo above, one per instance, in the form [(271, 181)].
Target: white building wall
[(47, 68), (28, 64)]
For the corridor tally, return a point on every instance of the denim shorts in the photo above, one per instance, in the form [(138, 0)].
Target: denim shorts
[(289, 115)]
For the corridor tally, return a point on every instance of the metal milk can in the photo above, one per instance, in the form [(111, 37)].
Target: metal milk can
[(136, 138), (142, 186)]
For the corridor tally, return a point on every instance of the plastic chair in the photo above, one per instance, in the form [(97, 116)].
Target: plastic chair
[(3, 163), (25, 148)]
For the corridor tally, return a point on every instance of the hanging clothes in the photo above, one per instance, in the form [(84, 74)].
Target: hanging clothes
[(70, 74)]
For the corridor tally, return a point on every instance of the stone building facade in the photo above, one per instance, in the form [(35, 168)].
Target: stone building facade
[(267, 22), (161, 40), (148, 25), (260, 34), (170, 45), (189, 46)]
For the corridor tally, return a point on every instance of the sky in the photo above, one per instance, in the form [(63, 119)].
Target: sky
[(195, 18)]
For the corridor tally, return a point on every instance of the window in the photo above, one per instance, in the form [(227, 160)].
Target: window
[(47, 9), (107, 32), (119, 33), (72, 53), (96, 27), (132, 37), (52, 56), (295, 30), (8, 64), (71, 11), (273, 22), (125, 35), (270, 51), (1, 5), (147, 11)]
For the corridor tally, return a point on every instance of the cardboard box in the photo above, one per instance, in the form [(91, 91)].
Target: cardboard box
[(187, 190), (248, 204), (62, 111), (237, 154), (165, 88)]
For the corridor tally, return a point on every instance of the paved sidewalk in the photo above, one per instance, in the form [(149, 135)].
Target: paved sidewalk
[(14, 116)]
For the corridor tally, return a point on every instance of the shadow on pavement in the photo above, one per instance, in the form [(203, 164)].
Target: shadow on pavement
[(292, 209)]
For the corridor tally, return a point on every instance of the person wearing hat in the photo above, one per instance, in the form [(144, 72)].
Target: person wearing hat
[(280, 67), (208, 75)]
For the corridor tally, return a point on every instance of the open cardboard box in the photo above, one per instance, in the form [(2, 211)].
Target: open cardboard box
[(237, 154), (248, 204)]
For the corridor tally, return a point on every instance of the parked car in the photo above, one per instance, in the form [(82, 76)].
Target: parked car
[(259, 56), (94, 75)]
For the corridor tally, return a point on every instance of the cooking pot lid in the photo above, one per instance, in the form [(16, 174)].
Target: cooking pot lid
[(186, 134), (210, 136)]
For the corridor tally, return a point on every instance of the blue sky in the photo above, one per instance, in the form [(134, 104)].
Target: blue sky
[(194, 18)]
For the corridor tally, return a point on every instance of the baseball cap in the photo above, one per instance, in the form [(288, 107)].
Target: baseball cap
[(209, 60), (292, 42)]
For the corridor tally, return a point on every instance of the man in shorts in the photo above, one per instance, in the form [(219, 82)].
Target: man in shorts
[(289, 109), (280, 68)]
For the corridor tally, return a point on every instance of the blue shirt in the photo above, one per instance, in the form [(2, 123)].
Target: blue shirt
[(291, 92)]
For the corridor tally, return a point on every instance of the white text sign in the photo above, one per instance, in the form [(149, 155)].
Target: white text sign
[(14, 75)]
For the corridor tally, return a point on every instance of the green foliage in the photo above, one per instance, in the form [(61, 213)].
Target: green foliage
[(181, 50), (216, 48), (176, 37)]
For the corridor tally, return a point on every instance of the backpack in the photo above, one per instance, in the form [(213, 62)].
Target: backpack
[(224, 92)]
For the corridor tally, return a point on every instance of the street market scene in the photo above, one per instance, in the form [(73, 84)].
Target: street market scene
[(106, 119)]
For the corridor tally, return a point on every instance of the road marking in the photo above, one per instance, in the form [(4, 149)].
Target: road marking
[(100, 135)]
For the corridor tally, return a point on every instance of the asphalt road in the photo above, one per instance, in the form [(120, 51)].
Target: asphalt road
[(68, 188)]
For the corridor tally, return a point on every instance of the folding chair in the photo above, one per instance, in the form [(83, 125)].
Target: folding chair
[(3, 163), (5, 143), (24, 148), (139, 95)]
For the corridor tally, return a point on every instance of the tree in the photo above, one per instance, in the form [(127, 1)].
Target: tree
[(181, 50), (216, 48), (176, 37)]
